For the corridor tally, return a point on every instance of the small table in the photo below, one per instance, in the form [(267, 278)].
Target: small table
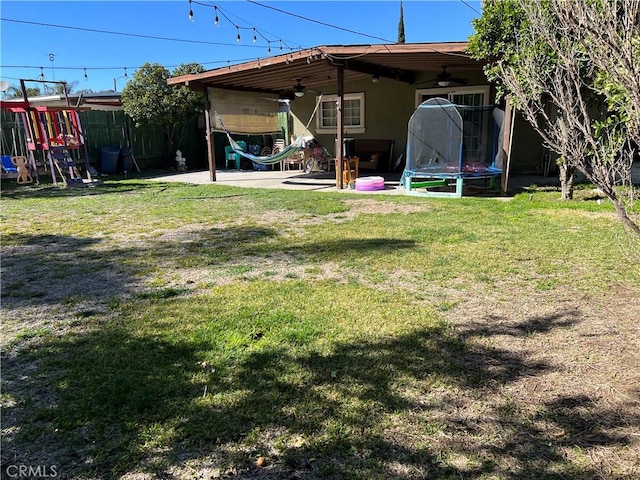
[(350, 168)]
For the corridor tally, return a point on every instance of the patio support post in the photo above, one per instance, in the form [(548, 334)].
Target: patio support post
[(209, 136), (340, 128), (510, 121)]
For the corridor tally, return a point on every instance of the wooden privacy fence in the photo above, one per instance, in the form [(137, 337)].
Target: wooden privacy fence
[(108, 129)]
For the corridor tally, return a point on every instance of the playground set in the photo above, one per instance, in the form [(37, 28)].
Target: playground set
[(53, 136)]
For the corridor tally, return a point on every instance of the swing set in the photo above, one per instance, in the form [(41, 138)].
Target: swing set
[(57, 133)]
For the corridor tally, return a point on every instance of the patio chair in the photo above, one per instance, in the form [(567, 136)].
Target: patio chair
[(278, 145), (230, 155), (296, 160)]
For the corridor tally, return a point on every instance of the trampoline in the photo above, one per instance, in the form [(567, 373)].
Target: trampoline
[(448, 144)]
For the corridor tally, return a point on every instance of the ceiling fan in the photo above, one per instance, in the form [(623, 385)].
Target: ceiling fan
[(298, 88), (444, 79)]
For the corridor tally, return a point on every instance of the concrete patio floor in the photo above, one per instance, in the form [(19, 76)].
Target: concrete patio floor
[(321, 181), (287, 179)]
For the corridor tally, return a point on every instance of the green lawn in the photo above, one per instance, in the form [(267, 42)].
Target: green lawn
[(175, 331)]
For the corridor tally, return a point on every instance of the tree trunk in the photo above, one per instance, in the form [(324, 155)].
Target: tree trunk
[(168, 133), (567, 176), (624, 217)]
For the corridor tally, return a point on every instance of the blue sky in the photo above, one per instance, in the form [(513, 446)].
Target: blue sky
[(25, 47)]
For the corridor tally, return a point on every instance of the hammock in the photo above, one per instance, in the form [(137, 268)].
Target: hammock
[(266, 160), (278, 157)]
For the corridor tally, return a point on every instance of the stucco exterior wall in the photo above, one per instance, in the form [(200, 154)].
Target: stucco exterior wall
[(389, 105)]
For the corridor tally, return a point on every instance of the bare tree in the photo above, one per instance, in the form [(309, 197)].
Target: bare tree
[(613, 45), (559, 87)]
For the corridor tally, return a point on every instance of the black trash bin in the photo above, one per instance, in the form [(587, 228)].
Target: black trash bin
[(349, 149), (126, 159), (110, 159)]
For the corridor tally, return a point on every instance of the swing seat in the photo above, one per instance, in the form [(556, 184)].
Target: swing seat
[(8, 166)]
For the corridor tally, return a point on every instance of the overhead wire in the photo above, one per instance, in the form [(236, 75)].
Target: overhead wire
[(318, 22), (471, 7), (126, 34)]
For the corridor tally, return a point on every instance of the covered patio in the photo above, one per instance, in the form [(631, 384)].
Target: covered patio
[(387, 82)]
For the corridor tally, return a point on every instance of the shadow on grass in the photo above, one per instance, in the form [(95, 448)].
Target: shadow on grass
[(48, 190), (51, 269), (113, 401)]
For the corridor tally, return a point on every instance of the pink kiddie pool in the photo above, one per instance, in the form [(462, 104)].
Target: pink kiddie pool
[(370, 183)]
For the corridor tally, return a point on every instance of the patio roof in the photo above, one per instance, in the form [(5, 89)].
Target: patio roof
[(317, 67)]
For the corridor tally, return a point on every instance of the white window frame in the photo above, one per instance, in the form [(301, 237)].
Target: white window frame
[(349, 129), (453, 90)]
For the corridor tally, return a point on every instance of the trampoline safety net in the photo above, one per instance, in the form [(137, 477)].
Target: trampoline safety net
[(448, 140)]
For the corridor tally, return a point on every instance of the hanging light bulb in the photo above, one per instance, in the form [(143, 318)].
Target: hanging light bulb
[(125, 72), (41, 73), (190, 12), (269, 49), (281, 45), (85, 74), (238, 37), (259, 66), (217, 20), (255, 39)]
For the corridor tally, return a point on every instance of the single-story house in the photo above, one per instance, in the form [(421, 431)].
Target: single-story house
[(375, 87)]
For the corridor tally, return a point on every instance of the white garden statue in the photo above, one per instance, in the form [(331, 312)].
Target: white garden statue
[(181, 162)]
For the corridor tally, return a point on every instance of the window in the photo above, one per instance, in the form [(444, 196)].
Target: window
[(353, 108), (474, 137), (471, 96)]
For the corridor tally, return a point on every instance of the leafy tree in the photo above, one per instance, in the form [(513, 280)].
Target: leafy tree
[(401, 37), (14, 91), (58, 88), (541, 55), (148, 100)]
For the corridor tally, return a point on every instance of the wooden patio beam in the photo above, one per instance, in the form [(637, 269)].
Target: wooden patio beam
[(371, 69)]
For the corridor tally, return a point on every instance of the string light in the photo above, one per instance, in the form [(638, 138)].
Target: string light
[(85, 74), (42, 73), (256, 32), (125, 72)]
